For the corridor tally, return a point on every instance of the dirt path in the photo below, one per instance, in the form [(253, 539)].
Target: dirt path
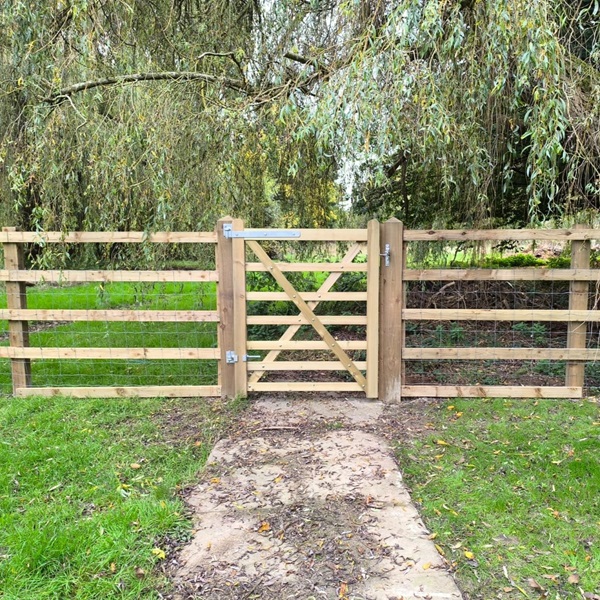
[(306, 502)]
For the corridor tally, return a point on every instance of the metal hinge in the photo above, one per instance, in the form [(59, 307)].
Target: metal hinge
[(259, 234)]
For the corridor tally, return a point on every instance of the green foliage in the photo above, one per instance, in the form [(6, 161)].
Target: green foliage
[(287, 113), (538, 332), (515, 260)]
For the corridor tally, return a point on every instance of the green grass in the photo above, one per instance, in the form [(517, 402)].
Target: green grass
[(517, 484), (88, 489), (166, 296)]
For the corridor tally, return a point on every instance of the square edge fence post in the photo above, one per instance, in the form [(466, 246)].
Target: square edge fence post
[(238, 250), (225, 306), (391, 305), (578, 300), (16, 298)]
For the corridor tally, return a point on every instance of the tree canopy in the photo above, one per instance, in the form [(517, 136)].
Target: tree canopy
[(167, 114)]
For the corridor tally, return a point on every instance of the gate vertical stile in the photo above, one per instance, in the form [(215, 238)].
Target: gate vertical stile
[(373, 324)]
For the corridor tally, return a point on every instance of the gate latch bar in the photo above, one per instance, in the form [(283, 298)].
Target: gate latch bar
[(259, 234), (248, 357)]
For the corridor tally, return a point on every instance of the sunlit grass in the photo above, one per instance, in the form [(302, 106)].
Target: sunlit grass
[(88, 490), (164, 296), (517, 484)]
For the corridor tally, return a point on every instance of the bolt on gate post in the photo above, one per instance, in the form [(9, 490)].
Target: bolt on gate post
[(391, 305)]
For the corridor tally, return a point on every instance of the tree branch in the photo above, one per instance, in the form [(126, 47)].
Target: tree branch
[(306, 61), (234, 84)]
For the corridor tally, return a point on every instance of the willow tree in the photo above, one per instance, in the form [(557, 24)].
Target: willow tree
[(169, 113)]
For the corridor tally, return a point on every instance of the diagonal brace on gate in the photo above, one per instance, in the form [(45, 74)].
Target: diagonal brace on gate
[(293, 329), (308, 313)]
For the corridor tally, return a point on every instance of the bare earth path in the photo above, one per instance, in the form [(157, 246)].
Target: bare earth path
[(309, 505)]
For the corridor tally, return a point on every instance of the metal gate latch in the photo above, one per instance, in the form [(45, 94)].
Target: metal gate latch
[(231, 357), (386, 255)]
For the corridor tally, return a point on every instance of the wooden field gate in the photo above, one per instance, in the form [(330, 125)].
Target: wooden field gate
[(243, 362)]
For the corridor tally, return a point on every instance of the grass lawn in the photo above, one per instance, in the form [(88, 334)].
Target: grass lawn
[(511, 491), (165, 296), (88, 491)]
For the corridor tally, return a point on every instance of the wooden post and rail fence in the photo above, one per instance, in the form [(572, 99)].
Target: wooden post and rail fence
[(378, 373)]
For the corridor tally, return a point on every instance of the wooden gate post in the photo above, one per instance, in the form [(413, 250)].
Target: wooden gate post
[(578, 300), (238, 250), (16, 298), (231, 265), (225, 308), (391, 304)]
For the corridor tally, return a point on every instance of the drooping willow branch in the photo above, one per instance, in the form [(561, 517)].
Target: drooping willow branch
[(234, 84)]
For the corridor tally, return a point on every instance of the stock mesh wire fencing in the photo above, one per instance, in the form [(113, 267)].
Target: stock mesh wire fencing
[(126, 296), (479, 335)]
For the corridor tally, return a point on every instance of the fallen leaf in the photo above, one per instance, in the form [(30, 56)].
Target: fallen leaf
[(135, 466), (432, 536), (160, 554), (215, 480), (113, 567), (534, 585), (469, 555), (591, 596), (343, 590), (440, 549), (442, 443), (264, 526), (507, 589), (426, 566), (140, 573), (553, 578), (574, 578)]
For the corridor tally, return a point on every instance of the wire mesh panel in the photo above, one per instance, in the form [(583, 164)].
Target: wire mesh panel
[(497, 314), (116, 329)]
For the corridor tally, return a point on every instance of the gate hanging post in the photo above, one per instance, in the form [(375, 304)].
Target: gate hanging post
[(578, 300), (225, 308), (391, 305), (16, 298), (238, 251)]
